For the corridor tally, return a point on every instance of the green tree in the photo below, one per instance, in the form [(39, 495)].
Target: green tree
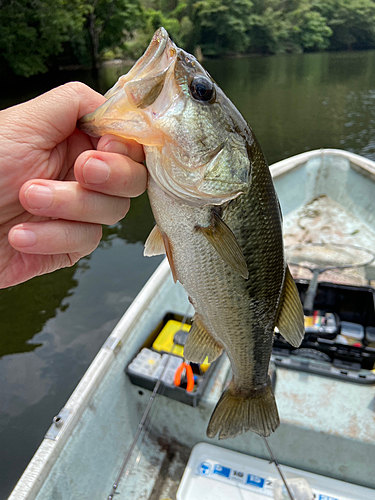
[(173, 15), (32, 31), (36, 33), (269, 31), (223, 25), (110, 23), (290, 26), (352, 22), (313, 32)]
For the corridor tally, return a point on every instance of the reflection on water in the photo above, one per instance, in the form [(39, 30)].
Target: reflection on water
[(32, 310), (52, 326), (304, 102)]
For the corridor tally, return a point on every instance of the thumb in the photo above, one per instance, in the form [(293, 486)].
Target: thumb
[(53, 115)]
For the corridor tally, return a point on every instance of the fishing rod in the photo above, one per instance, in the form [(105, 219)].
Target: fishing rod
[(137, 434), (278, 467), (124, 471)]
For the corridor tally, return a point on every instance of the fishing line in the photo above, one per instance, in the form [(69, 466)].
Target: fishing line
[(124, 471), (278, 467)]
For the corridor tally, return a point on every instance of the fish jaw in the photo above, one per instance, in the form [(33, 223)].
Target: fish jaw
[(128, 111)]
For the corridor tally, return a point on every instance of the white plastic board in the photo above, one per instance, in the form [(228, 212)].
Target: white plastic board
[(215, 473)]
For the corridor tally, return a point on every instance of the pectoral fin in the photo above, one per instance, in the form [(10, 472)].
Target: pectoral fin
[(154, 244), (158, 243), (168, 251), (223, 240), (290, 320), (200, 344)]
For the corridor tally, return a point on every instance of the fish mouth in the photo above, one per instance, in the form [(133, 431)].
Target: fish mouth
[(138, 89), (155, 59)]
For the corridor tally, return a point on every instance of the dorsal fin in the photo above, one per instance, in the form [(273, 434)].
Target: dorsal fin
[(290, 319), (200, 344), (154, 244), (223, 240)]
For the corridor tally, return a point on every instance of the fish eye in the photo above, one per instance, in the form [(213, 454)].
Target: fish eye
[(202, 88)]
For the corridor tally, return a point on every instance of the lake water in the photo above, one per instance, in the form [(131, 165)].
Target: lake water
[(52, 327)]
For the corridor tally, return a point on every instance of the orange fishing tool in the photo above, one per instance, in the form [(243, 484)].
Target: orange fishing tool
[(189, 376)]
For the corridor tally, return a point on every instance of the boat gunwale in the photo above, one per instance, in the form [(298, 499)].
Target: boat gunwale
[(285, 166), (45, 456)]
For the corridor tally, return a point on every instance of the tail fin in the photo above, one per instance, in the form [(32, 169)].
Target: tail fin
[(235, 414)]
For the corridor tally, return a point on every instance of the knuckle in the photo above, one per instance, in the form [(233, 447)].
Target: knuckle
[(119, 212), (96, 233), (135, 182), (87, 237), (77, 87)]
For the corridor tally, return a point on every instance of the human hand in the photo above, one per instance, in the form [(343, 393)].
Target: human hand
[(55, 189)]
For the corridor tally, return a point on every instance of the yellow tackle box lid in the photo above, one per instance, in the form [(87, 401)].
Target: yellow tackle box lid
[(165, 340)]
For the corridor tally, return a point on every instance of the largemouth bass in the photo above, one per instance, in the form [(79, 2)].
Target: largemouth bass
[(218, 220)]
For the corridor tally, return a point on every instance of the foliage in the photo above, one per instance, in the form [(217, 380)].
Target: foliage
[(110, 23), (223, 25), (352, 22), (32, 31), (35, 33)]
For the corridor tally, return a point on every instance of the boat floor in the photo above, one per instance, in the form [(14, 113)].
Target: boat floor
[(160, 474)]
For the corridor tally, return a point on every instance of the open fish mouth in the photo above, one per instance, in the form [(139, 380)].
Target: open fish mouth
[(157, 58), (134, 91)]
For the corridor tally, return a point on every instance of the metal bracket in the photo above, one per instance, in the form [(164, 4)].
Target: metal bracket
[(113, 344), (59, 424)]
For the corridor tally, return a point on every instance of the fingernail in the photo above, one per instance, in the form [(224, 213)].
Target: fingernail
[(95, 171), (116, 147), (38, 196), (22, 238)]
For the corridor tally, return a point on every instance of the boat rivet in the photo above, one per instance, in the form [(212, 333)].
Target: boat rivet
[(58, 421)]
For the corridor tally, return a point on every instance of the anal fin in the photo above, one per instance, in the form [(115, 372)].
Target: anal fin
[(200, 344), (290, 319), (224, 241)]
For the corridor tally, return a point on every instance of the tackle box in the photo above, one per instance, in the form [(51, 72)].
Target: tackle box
[(164, 346), (346, 349)]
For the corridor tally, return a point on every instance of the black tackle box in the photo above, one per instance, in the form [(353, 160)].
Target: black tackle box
[(165, 345), (347, 349)]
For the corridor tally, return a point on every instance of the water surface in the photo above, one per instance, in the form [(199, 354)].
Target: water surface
[(52, 327)]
